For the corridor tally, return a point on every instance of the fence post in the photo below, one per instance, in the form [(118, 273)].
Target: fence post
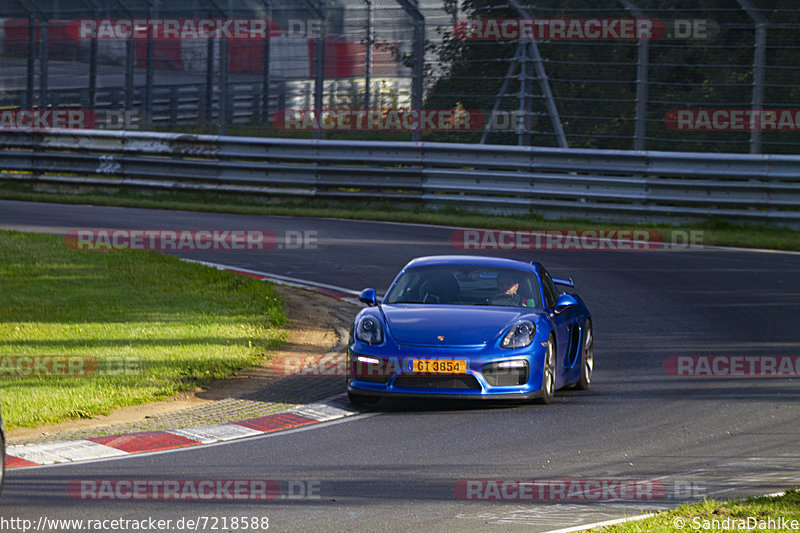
[(544, 82), (759, 58), (222, 128), (29, 78), (498, 100), (642, 65), (411, 7), (368, 66), (129, 60), (209, 81), (317, 10), (319, 82), (148, 75), (93, 72), (525, 90), (266, 80), (44, 48)]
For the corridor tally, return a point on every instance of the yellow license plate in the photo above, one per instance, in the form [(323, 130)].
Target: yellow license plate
[(438, 366)]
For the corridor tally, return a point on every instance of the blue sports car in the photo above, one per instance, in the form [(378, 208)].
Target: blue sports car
[(470, 327)]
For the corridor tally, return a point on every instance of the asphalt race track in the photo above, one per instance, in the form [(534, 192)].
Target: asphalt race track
[(396, 469)]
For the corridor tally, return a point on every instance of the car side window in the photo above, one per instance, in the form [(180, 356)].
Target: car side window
[(549, 289)]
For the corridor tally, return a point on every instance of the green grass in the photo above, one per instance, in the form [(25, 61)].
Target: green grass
[(699, 516), (718, 233), (155, 325)]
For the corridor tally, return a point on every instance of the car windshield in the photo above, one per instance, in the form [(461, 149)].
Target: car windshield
[(466, 285)]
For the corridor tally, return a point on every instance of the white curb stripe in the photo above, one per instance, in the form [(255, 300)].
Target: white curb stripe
[(323, 412), (61, 452), (80, 450), (215, 432)]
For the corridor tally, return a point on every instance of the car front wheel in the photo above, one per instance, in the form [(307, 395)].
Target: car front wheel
[(587, 358), (549, 373)]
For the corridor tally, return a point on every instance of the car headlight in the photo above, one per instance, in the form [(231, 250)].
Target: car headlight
[(369, 330), (519, 336)]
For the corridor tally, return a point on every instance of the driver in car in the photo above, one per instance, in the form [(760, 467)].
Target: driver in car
[(508, 286)]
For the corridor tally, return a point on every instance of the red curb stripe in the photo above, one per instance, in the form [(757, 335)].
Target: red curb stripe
[(332, 294), (150, 441), (248, 274), (18, 462), (269, 423), (327, 292)]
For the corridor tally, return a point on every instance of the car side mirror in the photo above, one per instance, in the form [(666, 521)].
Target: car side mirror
[(369, 297), (565, 301)]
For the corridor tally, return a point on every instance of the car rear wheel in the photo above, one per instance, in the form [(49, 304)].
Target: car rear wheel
[(549, 373), (587, 358)]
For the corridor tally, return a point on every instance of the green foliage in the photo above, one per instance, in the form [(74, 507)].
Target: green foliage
[(594, 83), (154, 325)]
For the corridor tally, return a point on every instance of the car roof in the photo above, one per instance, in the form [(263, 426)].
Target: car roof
[(473, 260)]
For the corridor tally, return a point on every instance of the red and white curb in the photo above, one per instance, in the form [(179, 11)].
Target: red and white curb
[(151, 441)]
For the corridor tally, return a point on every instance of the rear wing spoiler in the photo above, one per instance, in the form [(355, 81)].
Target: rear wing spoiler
[(566, 282)]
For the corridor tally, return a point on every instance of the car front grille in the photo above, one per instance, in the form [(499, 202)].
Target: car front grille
[(438, 382)]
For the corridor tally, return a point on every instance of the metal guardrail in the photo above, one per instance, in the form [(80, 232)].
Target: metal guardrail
[(552, 181), (176, 105)]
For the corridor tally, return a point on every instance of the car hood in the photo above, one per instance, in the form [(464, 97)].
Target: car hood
[(422, 325)]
